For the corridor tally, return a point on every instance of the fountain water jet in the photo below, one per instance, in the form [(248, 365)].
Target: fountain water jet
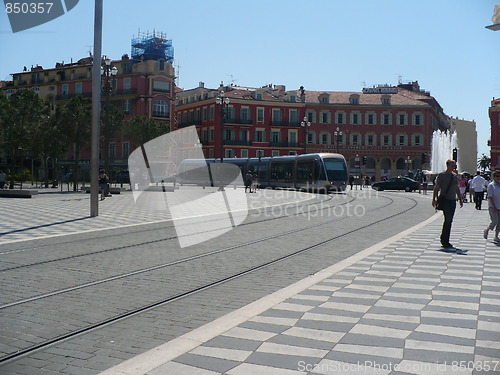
[(442, 149)]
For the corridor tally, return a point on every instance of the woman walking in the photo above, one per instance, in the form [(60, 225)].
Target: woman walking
[(494, 206)]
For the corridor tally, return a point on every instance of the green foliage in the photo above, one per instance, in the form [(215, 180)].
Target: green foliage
[(142, 129), (484, 162)]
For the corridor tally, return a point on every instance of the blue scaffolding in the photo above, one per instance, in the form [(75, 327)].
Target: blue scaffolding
[(153, 46)]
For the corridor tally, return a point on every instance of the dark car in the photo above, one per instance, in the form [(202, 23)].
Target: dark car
[(396, 183)]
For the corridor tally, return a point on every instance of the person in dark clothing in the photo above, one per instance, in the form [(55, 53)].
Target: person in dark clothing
[(447, 186), (103, 183)]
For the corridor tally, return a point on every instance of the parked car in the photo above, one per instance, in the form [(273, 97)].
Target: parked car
[(396, 183)]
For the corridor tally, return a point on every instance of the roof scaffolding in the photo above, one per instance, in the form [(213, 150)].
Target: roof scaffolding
[(152, 46)]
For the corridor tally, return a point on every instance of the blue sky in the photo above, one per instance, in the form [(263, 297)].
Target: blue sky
[(331, 45)]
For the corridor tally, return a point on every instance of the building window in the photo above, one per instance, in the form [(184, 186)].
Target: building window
[(126, 85), (78, 89), (324, 117), (310, 138), (402, 140), (402, 119), (125, 150), (324, 139), (211, 135), (294, 117), (417, 119), (370, 118), (244, 153), (275, 153), (160, 108), (260, 114), (229, 153), (64, 93), (370, 140), (386, 139), (112, 150), (292, 98), (386, 119), (245, 114), (228, 135), (259, 153), (244, 135), (277, 116), (355, 118), (259, 96), (275, 136), (354, 139), (340, 118), (260, 136), (311, 116), (127, 106)]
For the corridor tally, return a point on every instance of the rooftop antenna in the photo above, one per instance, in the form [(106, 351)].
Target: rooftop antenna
[(400, 79), (232, 79), (177, 73), (91, 47)]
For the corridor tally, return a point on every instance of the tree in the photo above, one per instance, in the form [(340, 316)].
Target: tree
[(111, 126), (21, 114), (142, 129), (76, 124), (484, 162), (50, 142)]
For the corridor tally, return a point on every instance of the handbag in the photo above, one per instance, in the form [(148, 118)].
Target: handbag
[(440, 200)]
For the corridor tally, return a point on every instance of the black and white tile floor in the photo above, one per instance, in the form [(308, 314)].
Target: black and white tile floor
[(404, 307)]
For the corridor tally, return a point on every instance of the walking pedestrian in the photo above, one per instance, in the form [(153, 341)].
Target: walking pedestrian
[(103, 183), (351, 181), (447, 186), (494, 207), (477, 184)]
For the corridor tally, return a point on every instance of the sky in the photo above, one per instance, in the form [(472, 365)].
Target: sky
[(323, 45)]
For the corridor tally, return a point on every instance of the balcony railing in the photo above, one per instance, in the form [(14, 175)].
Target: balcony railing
[(292, 124), (238, 121), (238, 143)]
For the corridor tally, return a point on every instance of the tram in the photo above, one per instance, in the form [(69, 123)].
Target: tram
[(322, 172)]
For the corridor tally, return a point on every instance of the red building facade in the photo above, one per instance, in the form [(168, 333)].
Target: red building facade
[(494, 113), (389, 127)]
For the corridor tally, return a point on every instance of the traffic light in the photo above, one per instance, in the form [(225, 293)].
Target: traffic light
[(424, 158), (455, 154), (364, 160)]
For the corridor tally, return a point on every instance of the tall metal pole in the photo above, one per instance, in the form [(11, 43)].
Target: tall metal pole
[(96, 110)]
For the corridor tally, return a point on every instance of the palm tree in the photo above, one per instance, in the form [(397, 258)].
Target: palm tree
[(484, 162)]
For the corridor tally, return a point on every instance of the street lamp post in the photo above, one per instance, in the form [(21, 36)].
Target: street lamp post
[(107, 71), (223, 102), (338, 137), (408, 165), (306, 125)]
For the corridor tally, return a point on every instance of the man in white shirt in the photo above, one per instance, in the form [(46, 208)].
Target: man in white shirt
[(477, 185)]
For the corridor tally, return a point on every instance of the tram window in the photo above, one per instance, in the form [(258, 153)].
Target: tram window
[(282, 172), (336, 169), (304, 171)]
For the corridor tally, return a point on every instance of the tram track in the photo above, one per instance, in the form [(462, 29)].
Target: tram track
[(145, 243), (21, 353)]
